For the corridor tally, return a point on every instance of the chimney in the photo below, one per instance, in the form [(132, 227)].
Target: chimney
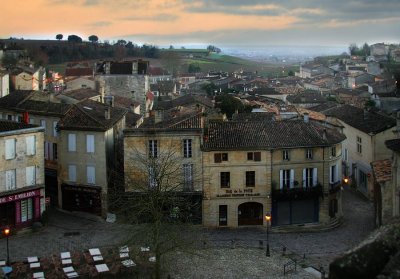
[(324, 136), (107, 113), (306, 117)]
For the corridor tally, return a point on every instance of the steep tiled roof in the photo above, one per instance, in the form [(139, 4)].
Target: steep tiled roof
[(255, 116), (82, 93), (393, 144), (324, 106), (268, 135), (30, 101), (191, 120), (382, 170), (365, 121), (183, 101), (305, 98), (90, 115), (6, 125)]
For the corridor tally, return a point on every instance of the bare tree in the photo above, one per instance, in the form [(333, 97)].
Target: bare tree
[(158, 202)]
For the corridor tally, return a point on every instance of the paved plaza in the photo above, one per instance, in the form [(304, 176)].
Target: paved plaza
[(76, 232)]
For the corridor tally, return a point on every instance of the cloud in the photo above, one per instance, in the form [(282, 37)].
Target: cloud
[(100, 24), (157, 17)]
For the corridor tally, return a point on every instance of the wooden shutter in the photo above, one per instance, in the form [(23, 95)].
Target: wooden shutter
[(217, 158), (30, 175), (304, 177), (291, 178), (71, 142), (10, 180), (30, 145), (257, 156), (90, 143), (10, 149), (281, 179), (91, 173), (72, 173), (315, 176), (337, 172)]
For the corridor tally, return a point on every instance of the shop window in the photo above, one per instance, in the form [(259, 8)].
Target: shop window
[(223, 215), (26, 210)]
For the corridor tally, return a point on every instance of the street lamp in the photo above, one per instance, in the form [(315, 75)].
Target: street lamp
[(268, 219), (6, 232)]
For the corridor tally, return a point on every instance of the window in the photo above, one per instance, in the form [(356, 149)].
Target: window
[(309, 177), (345, 155), (254, 156), (30, 145), (188, 176), (43, 124), (26, 210), (9, 117), (359, 145), (219, 157), (333, 151), (71, 142), (10, 180), (153, 150), (285, 155), (333, 174), (90, 143), (55, 129), (91, 174), (30, 176), (309, 153), (286, 178), (225, 179), (72, 173), (363, 180), (250, 178), (187, 148), (10, 149)]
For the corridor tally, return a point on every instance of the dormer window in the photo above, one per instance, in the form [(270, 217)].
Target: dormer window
[(285, 155)]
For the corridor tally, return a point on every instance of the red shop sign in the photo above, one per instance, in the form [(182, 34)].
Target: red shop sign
[(20, 196)]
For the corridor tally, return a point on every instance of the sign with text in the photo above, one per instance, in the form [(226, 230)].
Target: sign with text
[(20, 196), (238, 193)]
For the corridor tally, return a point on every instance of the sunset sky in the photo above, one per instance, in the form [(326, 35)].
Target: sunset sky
[(219, 22)]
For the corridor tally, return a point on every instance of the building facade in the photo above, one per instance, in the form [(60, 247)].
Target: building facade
[(22, 193)]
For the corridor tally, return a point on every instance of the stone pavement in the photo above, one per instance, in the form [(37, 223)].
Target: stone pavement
[(77, 232), (65, 232)]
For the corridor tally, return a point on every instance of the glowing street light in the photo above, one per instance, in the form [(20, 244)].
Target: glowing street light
[(268, 219)]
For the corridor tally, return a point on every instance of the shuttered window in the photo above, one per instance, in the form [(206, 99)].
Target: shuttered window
[(91, 174), (30, 175), (72, 173), (10, 180), (71, 142), (10, 149), (30, 145), (90, 143)]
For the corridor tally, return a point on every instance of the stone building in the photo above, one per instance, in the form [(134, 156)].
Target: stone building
[(22, 193), (289, 168), (90, 156)]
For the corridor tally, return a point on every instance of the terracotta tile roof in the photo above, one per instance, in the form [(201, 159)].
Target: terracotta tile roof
[(370, 122), (382, 170), (124, 102), (324, 106), (393, 144), (190, 120), (78, 72), (132, 119), (90, 115), (6, 125), (268, 135)]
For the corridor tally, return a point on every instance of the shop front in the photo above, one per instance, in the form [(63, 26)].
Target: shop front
[(81, 198), (20, 209)]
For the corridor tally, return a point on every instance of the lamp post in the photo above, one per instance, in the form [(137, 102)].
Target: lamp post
[(6, 232), (268, 219)]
